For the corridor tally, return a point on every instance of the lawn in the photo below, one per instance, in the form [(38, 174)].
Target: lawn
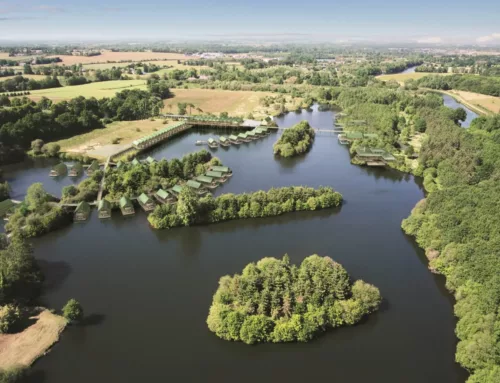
[(236, 103), (401, 77), (98, 143), (96, 89), (108, 56)]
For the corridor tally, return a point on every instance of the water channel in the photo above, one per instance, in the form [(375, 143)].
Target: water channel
[(146, 293)]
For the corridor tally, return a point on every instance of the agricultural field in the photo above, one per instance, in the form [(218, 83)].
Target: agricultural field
[(33, 76), (108, 56), (96, 89), (402, 77), (236, 103), (99, 142), (5, 56), (483, 102)]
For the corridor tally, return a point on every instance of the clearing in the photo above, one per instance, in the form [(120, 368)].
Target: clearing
[(108, 56), (402, 77), (98, 143), (236, 103), (96, 89), (485, 103), (23, 348)]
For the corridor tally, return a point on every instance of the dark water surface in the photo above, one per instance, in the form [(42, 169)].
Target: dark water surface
[(146, 293), (450, 102)]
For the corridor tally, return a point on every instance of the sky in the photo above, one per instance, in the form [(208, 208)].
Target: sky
[(423, 21)]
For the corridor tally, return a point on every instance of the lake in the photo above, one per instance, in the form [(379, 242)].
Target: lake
[(146, 293)]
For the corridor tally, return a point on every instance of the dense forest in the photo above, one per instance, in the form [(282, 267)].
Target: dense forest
[(253, 307), (295, 141), (192, 210)]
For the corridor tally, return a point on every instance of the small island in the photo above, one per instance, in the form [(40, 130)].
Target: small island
[(295, 140), (274, 301)]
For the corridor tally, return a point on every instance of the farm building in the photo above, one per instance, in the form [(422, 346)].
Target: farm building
[(82, 211), (126, 206), (59, 170), (104, 209), (146, 202), (76, 170), (94, 167)]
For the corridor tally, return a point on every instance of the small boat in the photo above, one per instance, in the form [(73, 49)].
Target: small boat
[(199, 142)]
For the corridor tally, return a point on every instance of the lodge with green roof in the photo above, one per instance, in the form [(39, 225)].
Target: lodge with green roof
[(196, 186), (207, 181), (234, 139), (135, 162), (218, 176), (223, 141), (146, 202), (373, 156), (176, 189), (94, 166), (104, 209), (243, 137), (126, 206), (76, 170), (222, 169), (348, 137), (212, 143), (164, 196), (82, 211), (150, 160), (59, 170)]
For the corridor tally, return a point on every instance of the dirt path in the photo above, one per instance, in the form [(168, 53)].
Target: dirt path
[(23, 348)]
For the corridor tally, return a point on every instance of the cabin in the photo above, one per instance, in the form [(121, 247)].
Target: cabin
[(150, 160), (119, 164), (59, 170), (94, 167), (135, 162), (146, 202), (261, 131), (82, 211), (126, 206), (104, 209), (218, 176), (223, 141), (373, 156), (207, 181), (76, 170), (251, 135), (222, 169), (176, 190), (234, 139), (164, 196), (212, 143), (347, 137), (196, 186), (243, 137)]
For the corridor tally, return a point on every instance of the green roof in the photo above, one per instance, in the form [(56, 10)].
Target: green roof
[(104, 205), (162, 194), (213, 174), (241, 135), (144, 199), (205, 179), (94, 165), (374, 152), (233, 137), (135, 161), (120, 163), (78, 166), (177, 188), (353, 135), (222, 169), (193, 184), (222, 139), (251, 133), (211, 140), (83, 207), (5, 206), (60, 168), (125, 202), (158, 133), (150, 160)]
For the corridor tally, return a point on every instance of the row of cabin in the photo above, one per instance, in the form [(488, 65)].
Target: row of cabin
[(236, 140), (75, 170), (348, 137), (373, 156)]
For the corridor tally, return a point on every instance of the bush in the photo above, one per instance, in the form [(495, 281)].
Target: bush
[(73, 311), (9, 317), (51, 149)]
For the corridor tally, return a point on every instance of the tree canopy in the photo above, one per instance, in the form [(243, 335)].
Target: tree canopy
[(274, 301), (295, 140)]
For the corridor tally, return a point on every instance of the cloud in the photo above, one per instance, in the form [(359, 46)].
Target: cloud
[(48, 8), (430, 40), (488, 39)]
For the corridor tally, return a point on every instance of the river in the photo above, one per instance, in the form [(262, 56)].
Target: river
[(146, 293), (450, 102)]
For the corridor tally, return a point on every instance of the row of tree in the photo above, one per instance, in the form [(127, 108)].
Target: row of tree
[(471, 83), (190, 209), (274, 301)]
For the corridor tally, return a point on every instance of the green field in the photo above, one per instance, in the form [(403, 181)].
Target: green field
[(96, 89), (401, 77)]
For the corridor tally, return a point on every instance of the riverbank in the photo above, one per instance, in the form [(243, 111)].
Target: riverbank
[(456, 96), (22, 349)]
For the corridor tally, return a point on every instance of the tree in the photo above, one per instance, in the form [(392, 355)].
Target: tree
[(187, 206), (51, 149), (36, 146), (4, 191), (36, 196), (73, 311), (9, 317)]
